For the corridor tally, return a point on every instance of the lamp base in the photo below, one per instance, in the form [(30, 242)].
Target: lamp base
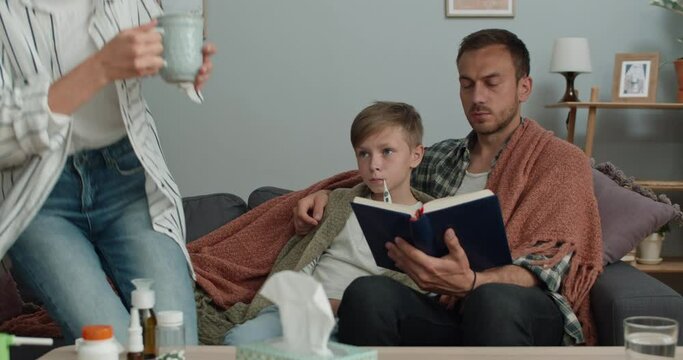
[(570, 94)]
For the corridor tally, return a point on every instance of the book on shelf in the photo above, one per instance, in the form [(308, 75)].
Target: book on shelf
[(475, 217)]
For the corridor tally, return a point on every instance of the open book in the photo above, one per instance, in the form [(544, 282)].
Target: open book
[(475, 217)]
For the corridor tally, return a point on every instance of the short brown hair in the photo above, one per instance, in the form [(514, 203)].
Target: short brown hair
[(487, 37), (383, 114)]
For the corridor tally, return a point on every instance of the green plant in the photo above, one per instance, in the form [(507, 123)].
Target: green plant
[(664, 229), (673, 5)]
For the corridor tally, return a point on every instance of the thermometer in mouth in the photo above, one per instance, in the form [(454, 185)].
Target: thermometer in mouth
[(387, 195)]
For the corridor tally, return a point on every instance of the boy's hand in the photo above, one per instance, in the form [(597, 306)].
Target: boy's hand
[(315, 205)]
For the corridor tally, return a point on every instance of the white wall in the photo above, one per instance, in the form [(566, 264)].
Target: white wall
[(291, 75)]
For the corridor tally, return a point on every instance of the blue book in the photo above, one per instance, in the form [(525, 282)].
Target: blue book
[(475, 217)]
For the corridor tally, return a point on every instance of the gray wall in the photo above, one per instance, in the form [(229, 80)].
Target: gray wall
[(291, 75)]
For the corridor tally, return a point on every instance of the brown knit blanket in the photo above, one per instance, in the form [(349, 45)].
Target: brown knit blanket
[(34, 322), (233, 261), (546, 213)]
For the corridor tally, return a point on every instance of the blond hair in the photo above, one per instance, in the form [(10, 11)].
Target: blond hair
[(383, 114)]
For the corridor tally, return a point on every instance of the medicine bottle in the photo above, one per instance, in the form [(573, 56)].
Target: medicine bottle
[(170, 335), (142, 298), (97, 343)]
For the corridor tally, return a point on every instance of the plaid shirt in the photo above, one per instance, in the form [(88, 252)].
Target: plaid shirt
[(440, 174)]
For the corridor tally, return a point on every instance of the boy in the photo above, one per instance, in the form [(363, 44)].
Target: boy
[(387, 141)]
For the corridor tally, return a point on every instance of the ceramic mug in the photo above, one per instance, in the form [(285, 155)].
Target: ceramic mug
[(182, 40)]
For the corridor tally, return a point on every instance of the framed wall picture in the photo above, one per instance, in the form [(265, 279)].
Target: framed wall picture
[(480, 8), (635, 77)]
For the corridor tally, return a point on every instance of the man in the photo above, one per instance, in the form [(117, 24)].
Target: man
[(545, 189)]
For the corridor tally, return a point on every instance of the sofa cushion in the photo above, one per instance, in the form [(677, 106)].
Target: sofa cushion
[(263, 194), (205, 213), (626, 216)]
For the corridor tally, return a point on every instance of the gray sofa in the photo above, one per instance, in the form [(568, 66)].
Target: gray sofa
[(620, 291)]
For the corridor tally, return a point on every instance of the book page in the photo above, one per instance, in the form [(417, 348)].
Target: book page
[(438, 204), (406, 209)]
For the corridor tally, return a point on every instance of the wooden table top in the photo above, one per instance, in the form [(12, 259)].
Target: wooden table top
[(431, 353)]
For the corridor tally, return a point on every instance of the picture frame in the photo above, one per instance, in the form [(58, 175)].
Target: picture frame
[(635, 77), (480, 8)]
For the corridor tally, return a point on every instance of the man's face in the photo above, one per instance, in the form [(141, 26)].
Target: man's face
[(386, 155), (490, 93)]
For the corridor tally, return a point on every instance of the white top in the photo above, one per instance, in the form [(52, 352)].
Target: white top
[(348, 257), (34, 142), (472, 182), (98, 122)]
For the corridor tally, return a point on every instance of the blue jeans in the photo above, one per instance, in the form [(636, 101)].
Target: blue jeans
[(266, 325), (96, 225)]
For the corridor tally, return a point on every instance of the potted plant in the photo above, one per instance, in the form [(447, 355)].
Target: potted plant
[(650, 249), (677, 7)]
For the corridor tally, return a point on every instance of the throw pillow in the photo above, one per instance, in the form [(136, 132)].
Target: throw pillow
[(628, 212)]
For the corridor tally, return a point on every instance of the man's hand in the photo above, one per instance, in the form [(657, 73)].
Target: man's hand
[(450, 275), (309, 211), (205, 71), (133, 52)]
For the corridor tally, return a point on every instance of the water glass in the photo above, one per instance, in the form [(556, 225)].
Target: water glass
[(650, 337)]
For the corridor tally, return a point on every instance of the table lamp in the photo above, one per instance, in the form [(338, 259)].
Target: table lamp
[(571, 56)]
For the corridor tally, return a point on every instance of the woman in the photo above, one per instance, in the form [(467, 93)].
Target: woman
[(85, 194)]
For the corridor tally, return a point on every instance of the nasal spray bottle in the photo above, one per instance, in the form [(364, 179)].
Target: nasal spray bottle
[(136, 346), (142, 299)]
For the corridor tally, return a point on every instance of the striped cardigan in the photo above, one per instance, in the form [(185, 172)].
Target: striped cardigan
[(34, 142)]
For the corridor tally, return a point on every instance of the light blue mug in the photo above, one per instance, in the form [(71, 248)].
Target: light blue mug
[(182, 40)]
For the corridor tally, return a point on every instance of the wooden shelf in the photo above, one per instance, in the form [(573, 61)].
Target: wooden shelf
[(670, 265), (593, 105), (616, 105), (661, 185)]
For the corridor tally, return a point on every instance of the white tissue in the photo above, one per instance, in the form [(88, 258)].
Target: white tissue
[(305, 312), (194, 94)]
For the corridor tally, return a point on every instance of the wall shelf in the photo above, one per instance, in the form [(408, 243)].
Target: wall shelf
[(593, 105), (670, 265)]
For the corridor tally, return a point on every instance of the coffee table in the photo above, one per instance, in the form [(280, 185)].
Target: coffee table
[(431, 353)]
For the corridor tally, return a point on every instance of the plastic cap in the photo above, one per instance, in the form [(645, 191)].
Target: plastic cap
[(135, 344), (97, 332), (169, 318), (143, 295)]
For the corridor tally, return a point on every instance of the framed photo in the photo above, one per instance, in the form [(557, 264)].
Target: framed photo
[(480, 8), (635, 77)]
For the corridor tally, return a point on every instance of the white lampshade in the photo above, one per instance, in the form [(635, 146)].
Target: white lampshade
[(571, 54)]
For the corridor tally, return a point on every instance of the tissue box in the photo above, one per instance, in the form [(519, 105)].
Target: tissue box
[(269, 350)]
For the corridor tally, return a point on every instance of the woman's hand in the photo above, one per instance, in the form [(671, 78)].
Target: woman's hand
[(133, 52), (205, 71)]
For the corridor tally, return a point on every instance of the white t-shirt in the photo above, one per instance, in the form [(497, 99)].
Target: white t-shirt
[(472, 182), (348, 257), (98, 122)]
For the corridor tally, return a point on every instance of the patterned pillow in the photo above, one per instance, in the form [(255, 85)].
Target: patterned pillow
[(628, 212)]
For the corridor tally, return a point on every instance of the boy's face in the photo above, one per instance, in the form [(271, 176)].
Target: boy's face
[(386, 155)]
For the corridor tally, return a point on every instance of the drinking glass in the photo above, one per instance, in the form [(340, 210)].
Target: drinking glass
[(650, 337)]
